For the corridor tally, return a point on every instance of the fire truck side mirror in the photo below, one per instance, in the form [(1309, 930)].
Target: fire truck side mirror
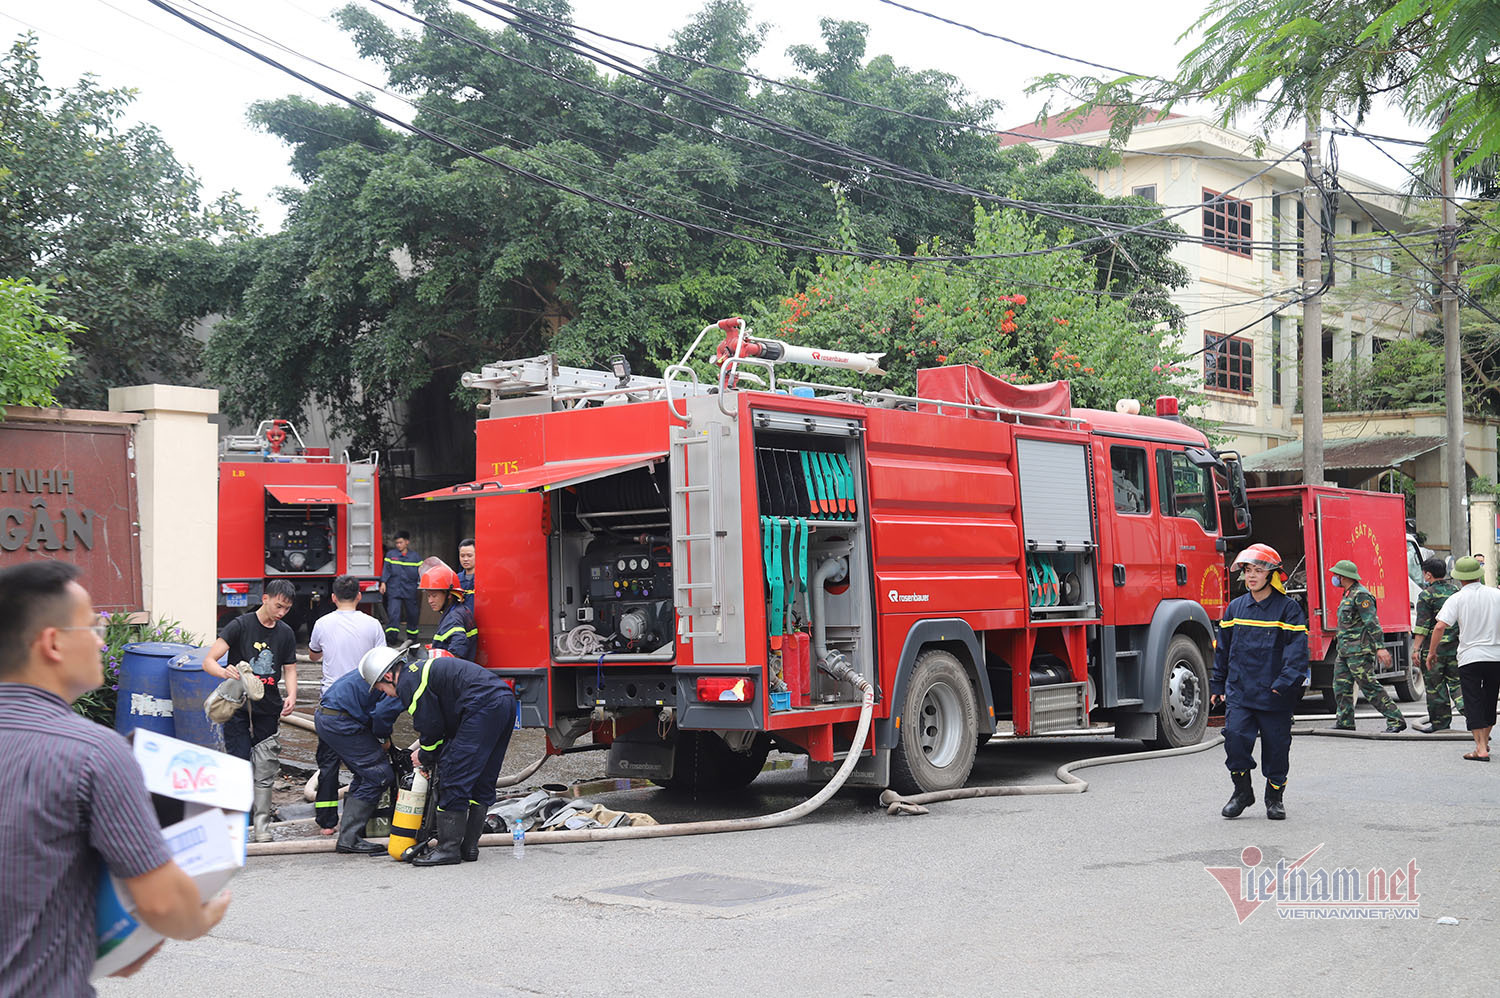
[(1239, 500)]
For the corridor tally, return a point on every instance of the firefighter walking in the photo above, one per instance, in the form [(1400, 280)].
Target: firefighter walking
[(1444, 694), (398, 583), (456, 629), (1361, 643), (464, 714), (1260, 672)]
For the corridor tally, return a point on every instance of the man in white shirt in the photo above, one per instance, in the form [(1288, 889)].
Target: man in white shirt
[(1475, 611), (339, 640)]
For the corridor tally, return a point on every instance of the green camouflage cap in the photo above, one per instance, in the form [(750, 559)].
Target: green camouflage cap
[(1468, 569), (1346, 569)]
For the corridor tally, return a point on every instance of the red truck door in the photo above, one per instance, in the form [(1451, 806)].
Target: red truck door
[(1137, 564), (1370, 530), (1191, 565)]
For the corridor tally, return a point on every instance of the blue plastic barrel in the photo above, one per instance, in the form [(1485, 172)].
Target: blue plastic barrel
[(145, 694), (190, 688)]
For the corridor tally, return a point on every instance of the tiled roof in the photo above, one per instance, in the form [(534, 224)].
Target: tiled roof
[(1054, 127)]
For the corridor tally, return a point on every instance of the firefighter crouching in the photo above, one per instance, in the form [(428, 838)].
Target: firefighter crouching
[(1260, 669), (464, 715), (1361, 645), (355, 721), (456, 630)]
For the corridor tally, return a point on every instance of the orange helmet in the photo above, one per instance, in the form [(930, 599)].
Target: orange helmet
[(442, 578), (1258, 556)]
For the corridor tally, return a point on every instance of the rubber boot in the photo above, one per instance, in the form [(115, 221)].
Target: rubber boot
[(260, 814), (1274, 809), (1243, 797), (264, 765), (473, 828), (351, 832), (450, 836)]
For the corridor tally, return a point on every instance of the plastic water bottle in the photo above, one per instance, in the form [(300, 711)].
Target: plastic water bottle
[(517, 839)]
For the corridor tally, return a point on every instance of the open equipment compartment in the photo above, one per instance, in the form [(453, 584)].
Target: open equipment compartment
[(610, 567), (815, 555)]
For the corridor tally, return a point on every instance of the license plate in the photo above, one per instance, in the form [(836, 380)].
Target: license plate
[(237, 599)]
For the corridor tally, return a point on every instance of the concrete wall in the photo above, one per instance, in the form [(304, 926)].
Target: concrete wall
[(1482, 534), (178, 474)]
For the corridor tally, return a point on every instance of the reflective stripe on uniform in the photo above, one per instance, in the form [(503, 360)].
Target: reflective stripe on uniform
[(1262, 623), (421, 686), (450, 632), (434, 746), (326, 803), (403, 564)]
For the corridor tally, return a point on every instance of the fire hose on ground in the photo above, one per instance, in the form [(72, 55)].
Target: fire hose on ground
[(710, 827), (894, 802)]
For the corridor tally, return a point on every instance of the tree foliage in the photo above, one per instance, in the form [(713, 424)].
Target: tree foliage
[(34, 343), (107, 216), (1028, 319), (405, 262)]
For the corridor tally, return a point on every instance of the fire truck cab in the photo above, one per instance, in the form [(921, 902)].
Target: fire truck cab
[(687, 571)]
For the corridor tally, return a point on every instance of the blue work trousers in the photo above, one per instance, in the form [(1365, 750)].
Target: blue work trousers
[(1242, 725), (470, 761), (401, 616), (358, 749)]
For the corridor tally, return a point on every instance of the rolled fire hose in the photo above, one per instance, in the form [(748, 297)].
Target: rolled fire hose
[(786, 816)]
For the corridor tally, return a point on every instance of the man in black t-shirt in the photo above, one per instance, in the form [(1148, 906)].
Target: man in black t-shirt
[(269, 646)]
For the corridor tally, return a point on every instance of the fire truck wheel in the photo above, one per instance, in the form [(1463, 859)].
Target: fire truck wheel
[(1184, 701), (1412, 686), (703, 764), (939, 727)]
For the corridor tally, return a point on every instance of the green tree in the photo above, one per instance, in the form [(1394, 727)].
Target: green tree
[(105, 215), (405, 262), (1013, 317), (34, 344)]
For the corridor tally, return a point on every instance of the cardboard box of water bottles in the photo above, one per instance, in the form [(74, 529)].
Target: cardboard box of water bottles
[(202, 799)]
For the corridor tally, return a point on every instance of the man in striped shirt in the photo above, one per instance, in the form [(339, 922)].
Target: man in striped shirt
[(1260, 670), (75, 798)]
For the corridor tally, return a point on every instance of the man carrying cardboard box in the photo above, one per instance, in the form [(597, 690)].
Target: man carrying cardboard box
[(74, 795)]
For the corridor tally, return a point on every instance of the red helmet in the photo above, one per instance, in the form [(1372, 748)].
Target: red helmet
[(1258, 556), (442, 578)]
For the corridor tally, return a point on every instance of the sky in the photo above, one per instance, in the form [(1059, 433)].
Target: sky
[(196, 89)]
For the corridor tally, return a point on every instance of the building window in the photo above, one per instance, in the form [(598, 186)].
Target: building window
[(1148, 192), (1228, 363), (1275, 360), (1127, 467), (1226, 223), (1276, 232)]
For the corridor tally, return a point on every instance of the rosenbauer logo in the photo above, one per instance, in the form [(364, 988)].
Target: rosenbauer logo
[(1298, 891), (900, 597)]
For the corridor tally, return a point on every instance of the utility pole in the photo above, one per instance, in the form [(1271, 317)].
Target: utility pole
[(1312, 305), (1454, 467)]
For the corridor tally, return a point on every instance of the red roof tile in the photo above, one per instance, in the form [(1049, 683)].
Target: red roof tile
[(1054, 127)]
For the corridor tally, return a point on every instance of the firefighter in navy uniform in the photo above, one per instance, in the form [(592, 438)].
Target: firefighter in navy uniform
[(398, 583), (456, 629), (1260, 670), (464, 715), (355, 721)]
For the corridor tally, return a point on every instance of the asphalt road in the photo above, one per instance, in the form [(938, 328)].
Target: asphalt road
[(1107, 891)]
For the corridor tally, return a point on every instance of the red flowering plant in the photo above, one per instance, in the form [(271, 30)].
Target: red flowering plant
[(1028, 318)]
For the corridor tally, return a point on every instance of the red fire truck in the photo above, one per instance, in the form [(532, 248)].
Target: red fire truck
[(682, 568), (289, 511), (1315, 527)]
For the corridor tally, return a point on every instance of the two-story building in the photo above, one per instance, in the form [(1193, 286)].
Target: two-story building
[(1244, 218)]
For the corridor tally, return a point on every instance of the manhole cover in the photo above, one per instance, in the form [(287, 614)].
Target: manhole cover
[(709, 890)]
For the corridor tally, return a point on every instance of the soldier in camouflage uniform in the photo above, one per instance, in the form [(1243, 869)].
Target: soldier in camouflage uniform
[(1442, 678), (1361, 642)]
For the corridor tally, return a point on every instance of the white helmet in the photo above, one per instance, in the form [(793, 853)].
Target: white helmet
[(379, 661)]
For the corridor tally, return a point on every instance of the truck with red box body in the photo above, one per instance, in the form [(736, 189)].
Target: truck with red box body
[(1315, 527), (676, 567), (289, 511)]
